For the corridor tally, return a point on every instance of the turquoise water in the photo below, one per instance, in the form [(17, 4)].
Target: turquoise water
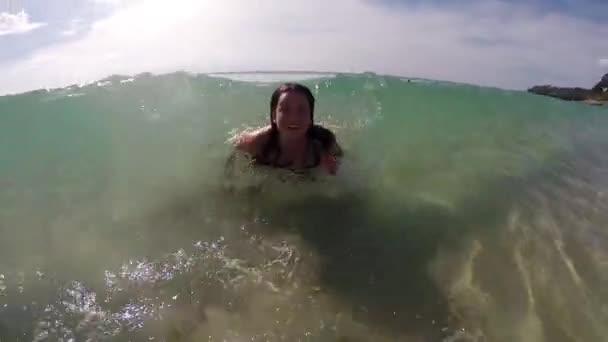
[(460, 214)]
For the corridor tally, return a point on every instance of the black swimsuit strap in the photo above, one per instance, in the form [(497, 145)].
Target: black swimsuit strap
[(270, 156)]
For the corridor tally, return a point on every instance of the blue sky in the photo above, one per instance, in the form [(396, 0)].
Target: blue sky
[(59, 20), (588, 9), (509, 44)]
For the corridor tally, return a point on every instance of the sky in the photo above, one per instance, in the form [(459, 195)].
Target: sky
[(507, 44)]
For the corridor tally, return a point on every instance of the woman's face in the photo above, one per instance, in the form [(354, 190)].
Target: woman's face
[(292, 115)]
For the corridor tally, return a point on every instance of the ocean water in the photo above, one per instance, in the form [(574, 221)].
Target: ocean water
[(460, 213)]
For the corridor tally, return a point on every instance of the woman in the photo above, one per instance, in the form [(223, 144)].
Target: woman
[(292, 140)]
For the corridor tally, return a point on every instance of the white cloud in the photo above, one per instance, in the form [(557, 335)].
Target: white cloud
[(111, 2), (16, 23), (73, 28), (603, 62), (489, 43)]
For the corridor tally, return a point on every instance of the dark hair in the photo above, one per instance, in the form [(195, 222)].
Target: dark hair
[(323, 135), (291, 87)]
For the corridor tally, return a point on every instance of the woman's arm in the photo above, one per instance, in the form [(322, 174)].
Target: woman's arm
[(331, 152), (251, 142), (330, 158)]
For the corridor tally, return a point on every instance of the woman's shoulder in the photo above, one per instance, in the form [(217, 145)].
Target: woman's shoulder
[(323, 135), (252, 141), (326, 140)]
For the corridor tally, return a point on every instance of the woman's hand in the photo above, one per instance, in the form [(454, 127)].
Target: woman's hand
[(329, 163), (330, 159)]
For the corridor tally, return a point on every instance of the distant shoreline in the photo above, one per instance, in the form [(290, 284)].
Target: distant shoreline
[(598, 95)]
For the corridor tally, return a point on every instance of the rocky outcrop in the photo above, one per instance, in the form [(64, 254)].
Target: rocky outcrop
[(596, 95), (602, 85)]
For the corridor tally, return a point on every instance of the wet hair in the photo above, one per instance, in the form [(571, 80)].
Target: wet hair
[(319, 133), (291, 87)]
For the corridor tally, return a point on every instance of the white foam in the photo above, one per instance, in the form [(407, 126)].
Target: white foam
[(271, 77)]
